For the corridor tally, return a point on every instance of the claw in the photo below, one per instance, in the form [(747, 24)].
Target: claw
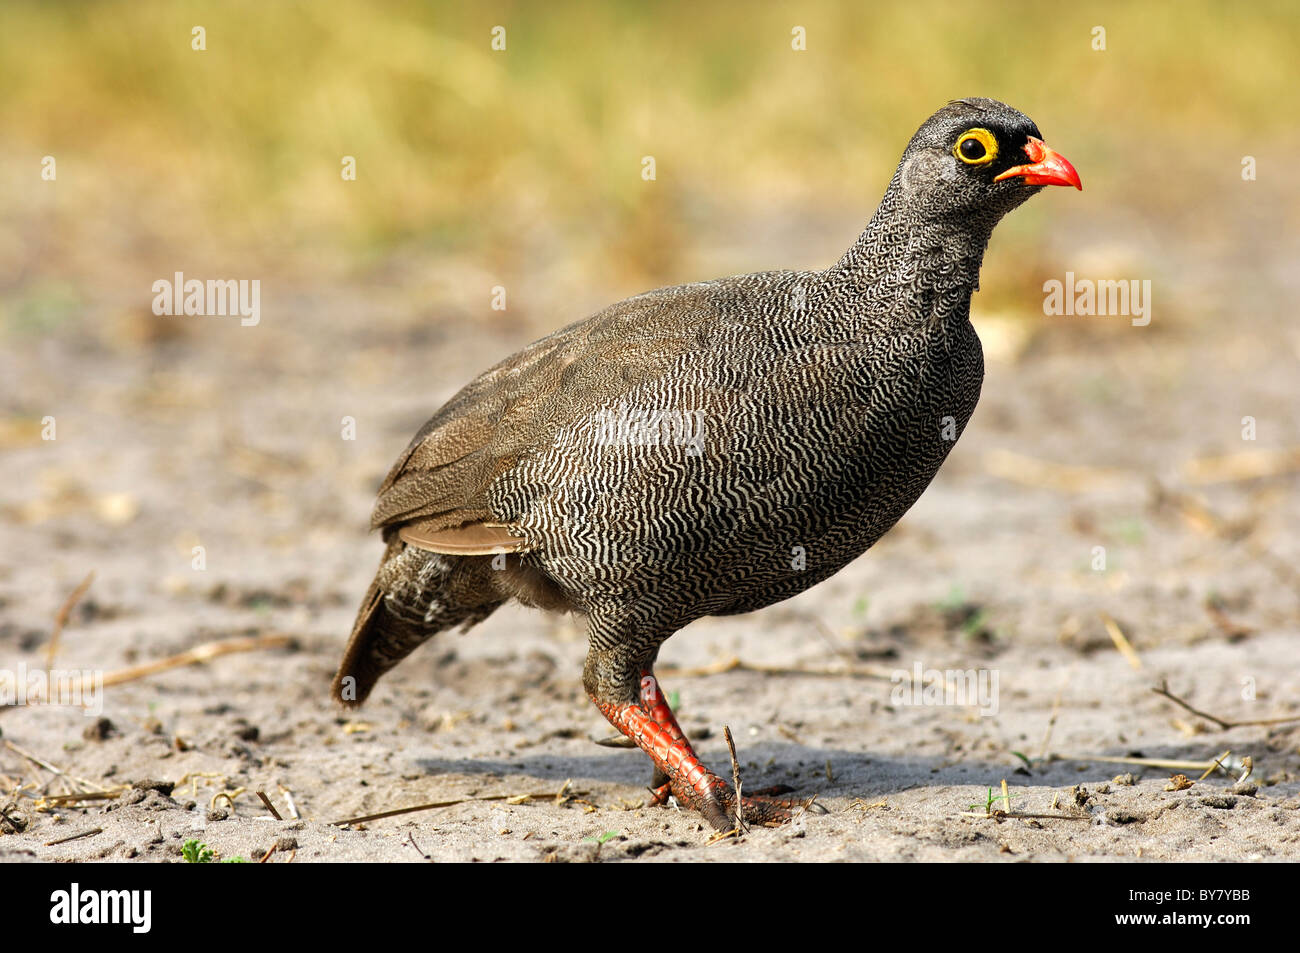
[(615, 741)]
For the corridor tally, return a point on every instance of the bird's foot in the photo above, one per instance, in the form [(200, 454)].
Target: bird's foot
[(661, 792), (680, 774), (718, 805), (760, 807)]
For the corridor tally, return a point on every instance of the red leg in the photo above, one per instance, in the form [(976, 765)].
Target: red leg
[(653, 726)]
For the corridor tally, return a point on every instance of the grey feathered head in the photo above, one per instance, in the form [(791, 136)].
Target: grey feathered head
[(978, 157)]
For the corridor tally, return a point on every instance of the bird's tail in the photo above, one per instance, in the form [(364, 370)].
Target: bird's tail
[(415, 595)]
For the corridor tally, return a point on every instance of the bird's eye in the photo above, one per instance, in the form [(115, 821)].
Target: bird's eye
[(976, 147)]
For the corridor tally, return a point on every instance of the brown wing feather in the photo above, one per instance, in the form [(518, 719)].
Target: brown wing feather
[(473, 539), (441, 482)]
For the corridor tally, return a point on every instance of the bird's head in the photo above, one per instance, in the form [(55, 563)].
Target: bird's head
[(978, 158)]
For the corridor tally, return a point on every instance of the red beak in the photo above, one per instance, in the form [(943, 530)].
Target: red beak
[(1047, 167)]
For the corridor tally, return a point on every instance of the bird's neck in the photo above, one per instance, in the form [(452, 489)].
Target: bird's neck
[(912, 268)]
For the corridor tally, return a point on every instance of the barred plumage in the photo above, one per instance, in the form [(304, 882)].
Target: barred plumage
[(705, 449)]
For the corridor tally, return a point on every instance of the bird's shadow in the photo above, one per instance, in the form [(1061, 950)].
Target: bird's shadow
[(826, 772)]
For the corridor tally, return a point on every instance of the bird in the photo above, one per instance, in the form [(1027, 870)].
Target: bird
[(707, 449)]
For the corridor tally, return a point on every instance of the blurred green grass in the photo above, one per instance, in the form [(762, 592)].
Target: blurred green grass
[(233, 154)]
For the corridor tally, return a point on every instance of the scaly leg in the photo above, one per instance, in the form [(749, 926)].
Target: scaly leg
[(652, 725)]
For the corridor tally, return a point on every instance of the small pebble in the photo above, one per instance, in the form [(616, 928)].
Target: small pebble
[(101, 729)]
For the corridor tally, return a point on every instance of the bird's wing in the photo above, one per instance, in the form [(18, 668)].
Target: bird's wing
[(436, 495)]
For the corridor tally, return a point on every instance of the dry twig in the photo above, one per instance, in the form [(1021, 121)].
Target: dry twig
[(1121, 641), (269, 806), (734, 664), (1248, 465), (1147, 762), (288, 799), (61, 618), (735, 777), (1223, 723), (518, 799), (1021, 816), (63, 840), (49, 767), (1218, 763), (200, 653)]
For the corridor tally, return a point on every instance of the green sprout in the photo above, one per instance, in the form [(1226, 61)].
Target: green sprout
[(992, 799), (196, 853), (603, 838)]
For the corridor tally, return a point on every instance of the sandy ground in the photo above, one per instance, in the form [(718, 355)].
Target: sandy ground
[(185, 432)]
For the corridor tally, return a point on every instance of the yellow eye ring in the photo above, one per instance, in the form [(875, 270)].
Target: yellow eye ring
[(976, 147)]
